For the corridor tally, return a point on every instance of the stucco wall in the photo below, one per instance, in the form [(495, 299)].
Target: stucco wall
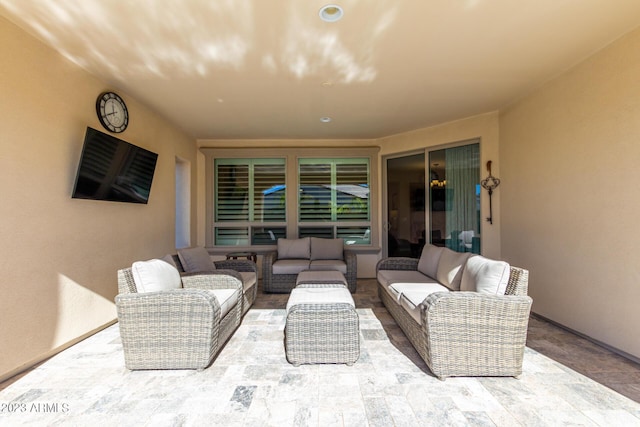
[(570, 194), (60, 255)]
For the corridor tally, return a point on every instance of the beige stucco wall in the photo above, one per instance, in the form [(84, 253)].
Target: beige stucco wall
[(60, 255), (570, 194), (484, 127)]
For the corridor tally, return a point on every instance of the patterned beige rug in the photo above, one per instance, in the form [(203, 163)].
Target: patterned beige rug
[(251, 384)]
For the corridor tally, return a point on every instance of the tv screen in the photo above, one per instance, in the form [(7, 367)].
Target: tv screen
[(113, 169)]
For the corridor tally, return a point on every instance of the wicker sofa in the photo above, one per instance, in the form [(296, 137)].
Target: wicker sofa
[(169, 321), (465, 315), (281, 267)]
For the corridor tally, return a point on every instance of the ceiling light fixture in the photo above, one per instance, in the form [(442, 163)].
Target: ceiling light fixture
[(331, 13), (325, 119)]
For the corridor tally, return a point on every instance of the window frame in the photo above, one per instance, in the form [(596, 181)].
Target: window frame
[(250, 222), (292, 157)]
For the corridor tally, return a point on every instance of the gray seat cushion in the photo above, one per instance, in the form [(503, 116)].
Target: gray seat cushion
[(329, 264), (450, 268), (389, 277), (249, 279), (290, 266), (227, 298)]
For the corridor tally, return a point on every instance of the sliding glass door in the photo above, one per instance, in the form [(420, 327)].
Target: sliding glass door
[(406, 216), (454, 195)]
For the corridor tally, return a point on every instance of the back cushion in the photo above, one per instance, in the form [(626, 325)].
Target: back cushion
[(195, 260), (450, 268), (294, 248), (485, 275), (155, 275), (326, 248), (429, 259)]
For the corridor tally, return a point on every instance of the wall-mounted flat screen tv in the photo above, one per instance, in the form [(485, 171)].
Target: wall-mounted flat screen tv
[(113, 169)]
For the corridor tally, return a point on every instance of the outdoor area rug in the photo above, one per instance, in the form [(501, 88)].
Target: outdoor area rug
[(250, 383)]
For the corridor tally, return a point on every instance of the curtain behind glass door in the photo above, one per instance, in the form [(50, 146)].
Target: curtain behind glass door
[(455, 198)]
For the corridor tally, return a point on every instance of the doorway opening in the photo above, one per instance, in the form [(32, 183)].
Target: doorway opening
[(183, 203)]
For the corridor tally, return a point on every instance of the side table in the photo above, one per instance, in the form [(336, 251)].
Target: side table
[(252, 256)]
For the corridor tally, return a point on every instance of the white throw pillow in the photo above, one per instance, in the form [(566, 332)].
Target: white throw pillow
[(450, 268), (196, 260), (485, 275), (155, 275), (429, 259)]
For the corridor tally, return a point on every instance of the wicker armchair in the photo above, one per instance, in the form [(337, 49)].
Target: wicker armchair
[(466, 333), (235, 268), (175, 329)]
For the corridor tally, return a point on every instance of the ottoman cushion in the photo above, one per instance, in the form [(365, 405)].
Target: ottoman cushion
[(319, 296)]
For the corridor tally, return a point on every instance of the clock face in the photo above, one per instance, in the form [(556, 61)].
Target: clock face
[(112, 112)]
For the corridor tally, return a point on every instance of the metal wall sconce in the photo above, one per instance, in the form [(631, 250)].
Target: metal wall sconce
[(490, 183)]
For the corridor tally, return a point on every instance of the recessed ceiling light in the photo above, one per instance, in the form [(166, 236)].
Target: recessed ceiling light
[(325, 119), (331, 13)]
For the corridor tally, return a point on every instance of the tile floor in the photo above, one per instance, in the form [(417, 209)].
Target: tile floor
[(250, 383), (579, 354)]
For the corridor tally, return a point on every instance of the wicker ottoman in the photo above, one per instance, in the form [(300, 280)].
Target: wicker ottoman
[(321, 277), (322, 325)]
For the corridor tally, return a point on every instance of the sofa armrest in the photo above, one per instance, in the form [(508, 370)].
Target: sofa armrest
[(168, 329), (464, 328), (518, 282), (237, 265), (351, 259), (186, 304), (475, 312), (177, 313), (397, 263), (218, 279), (268, 259)]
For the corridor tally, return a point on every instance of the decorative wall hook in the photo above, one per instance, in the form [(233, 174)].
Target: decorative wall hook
[(490, 183)]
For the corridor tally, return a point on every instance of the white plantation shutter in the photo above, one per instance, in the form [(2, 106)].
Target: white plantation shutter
[(269, 192), (352, 191), (314, 191), (331, 192), (248, 193), (232, 187)]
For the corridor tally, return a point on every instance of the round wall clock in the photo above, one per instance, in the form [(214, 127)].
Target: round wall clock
[(112, 112)]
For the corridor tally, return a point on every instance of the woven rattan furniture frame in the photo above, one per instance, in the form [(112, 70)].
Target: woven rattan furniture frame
[(466, 333), (323, 332), (231, 267), (176, 329), (284, 283)]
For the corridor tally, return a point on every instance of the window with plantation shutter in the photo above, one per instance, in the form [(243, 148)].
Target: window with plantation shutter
[(257, 195), (249, 193), (332, 192)]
